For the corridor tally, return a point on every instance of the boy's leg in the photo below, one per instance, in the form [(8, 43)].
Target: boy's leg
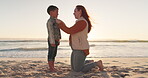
[(54, 55), (51, 57), (52, 51)]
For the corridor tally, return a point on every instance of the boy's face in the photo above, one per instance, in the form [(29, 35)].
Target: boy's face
[(54, 13)]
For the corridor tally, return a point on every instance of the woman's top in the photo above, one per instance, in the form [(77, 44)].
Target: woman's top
[(78, 35)]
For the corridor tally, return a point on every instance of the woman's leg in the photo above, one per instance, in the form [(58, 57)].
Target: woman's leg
[(89, 66), (100, 65), (72, 57), (89, 61), (77, 60)]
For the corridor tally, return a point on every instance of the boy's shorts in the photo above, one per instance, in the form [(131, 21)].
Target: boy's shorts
[(52, 51)]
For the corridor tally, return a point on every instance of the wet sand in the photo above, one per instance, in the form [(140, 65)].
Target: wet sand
[(38, 68)]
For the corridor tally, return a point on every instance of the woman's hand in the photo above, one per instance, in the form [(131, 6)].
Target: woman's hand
[(58, 21)]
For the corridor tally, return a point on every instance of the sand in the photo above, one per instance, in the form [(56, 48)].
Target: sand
[(38, 68)]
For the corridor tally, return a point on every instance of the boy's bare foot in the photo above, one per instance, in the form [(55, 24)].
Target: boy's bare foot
[(53, 70), (100, 65)]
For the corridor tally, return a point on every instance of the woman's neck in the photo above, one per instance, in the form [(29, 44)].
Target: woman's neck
[(79, 17)]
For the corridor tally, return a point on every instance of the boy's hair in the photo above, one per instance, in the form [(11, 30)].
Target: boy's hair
[(51, 8)]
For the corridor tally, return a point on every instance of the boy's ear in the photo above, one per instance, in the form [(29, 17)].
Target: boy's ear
[(81, 11), (51, 12)]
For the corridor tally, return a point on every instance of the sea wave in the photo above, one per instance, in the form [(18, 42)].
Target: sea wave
[(94, 45), (23, 40), (45, 40), (24, 49), (30, 49)]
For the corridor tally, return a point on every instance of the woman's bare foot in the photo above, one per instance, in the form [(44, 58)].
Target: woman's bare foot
[(91, 61), (100, 65)]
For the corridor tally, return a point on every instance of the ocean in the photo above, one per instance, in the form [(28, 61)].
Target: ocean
[(98, 49)]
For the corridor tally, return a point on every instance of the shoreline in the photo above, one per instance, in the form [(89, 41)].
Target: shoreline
[(38, 67), (67, 59)]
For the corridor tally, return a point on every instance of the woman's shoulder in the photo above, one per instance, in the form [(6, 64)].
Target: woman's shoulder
[(81, 22), (81, 19)]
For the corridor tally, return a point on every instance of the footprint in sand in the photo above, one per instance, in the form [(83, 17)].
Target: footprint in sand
[(115, 61), (106, 63), (136, 62), (137, 67)]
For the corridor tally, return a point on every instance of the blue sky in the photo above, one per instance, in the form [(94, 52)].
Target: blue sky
[(112, 19)]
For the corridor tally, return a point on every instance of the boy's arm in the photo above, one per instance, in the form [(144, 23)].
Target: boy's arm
[(50, 34)]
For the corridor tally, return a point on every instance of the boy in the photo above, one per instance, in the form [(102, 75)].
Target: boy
[(54, 36)]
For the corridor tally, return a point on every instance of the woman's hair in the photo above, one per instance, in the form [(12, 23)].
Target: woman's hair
[(51, 8), (85, 15)]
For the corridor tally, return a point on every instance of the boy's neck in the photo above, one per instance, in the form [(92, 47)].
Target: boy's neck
[(52, 17)]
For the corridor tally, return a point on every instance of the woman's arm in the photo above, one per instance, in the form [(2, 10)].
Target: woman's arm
[(79, 26)]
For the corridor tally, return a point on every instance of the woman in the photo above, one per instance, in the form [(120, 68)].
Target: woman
[(78, 40)]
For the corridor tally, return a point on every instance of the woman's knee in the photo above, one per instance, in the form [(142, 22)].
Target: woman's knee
[(77, 69)]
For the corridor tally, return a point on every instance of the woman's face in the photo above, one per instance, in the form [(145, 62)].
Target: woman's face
[(77, 13)]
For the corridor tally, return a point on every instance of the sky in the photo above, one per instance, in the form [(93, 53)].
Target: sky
[(111, 19)]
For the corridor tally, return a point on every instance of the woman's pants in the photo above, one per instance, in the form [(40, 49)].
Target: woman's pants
[(78, 62)]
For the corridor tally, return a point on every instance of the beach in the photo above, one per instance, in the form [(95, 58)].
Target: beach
[(38, 68), (28, 59)]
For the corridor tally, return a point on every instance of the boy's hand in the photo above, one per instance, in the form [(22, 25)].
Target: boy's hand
[(58, 42), (53, 45)]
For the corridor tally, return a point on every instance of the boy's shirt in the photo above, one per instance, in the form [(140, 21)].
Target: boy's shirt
[(54, 33)]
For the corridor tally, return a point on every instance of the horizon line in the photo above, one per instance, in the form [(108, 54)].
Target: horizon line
[(101, 40)]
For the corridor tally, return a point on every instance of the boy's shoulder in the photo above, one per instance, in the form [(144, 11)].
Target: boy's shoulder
[(49, 20)]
